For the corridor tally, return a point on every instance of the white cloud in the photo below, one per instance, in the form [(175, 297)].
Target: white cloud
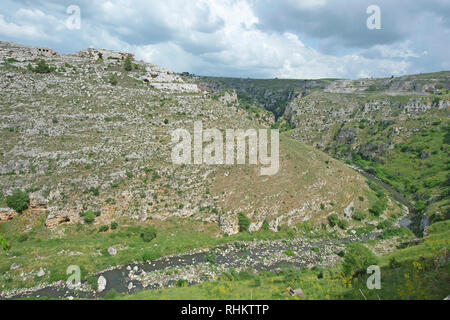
[(10, 29), (226, 38)]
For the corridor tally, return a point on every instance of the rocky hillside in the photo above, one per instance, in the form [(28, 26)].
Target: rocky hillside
[(83, 134), (395, 128)]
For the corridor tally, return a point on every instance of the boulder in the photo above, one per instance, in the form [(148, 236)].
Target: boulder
[(101, 282), (7, 214), (296, 293), (112, 251), (41, 273)]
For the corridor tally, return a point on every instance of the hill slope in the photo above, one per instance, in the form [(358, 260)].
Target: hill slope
[(90, 143)]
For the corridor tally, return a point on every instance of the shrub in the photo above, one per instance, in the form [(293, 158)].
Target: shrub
[(265, 226), (103, 228), (148, 234), (128, 66), (182, 283), (421, 206), (394, 264), (244, 222), (343, 224), (211, 257), (289, 253), (5, 246), (88, 216), (359, 215), (151, 255), (113, 79), (114, 225), (379, 206), (322, 206), (357, 258), (333, 219), (18, 200), (42, 67), (385, 224)]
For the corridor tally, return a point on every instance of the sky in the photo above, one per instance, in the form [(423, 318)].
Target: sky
[(301, 39)]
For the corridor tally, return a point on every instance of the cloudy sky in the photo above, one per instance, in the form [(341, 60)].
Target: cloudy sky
[(246, 38)]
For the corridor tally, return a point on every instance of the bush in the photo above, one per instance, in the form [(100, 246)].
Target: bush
[(421, 206), (211, 257), (148, 234), (385, 224), (182, 283), (343, 224), (114, 225), (357, 259), (113, 79), (5, 246), (103, 228), (359, 215), (378, 208), (289, 253), (88, 216), (151, 255), (42, 67), (244, 222), (128, 66), (333, 219), (18, 200)]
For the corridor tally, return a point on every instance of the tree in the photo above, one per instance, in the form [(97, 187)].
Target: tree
[(333, 219), (244, 222), (128, 65), (18, 200), (357, 259), (148, 234)]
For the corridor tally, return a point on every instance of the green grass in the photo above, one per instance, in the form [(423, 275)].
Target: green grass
[(41, 248), (418, 273)]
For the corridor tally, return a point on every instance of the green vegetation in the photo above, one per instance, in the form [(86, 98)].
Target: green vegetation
[(113, 79), (244, 222), (41, 67), (211, 257), (333, 219), (18, 200), (357, 258), (89, 216), (416, 272), (103, 228), (128, 66), (5, 246), (359, 215), (289, 253), (148, 233)]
